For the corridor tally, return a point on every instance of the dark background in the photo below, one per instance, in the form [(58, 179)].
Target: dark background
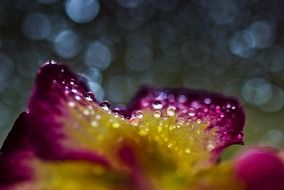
[(229, 46)]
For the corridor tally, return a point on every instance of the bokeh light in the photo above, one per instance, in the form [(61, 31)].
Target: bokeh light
[(67, 44), (36, 26), (231, 46), (82, 11), (98, 55)]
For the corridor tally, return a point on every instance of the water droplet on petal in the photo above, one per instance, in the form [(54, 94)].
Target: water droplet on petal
[(134, 121), (182, 99), (191, 112), (210, 146), (94, 123), (171, 111), (207, 100), (115, 125), (157, 114), (105, 105), (217, 109), (139, 114), (86, 112), (157, 104), (71, 104), (77, 98), (187, 150)]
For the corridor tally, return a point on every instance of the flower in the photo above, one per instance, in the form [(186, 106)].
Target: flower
[(168, 139)]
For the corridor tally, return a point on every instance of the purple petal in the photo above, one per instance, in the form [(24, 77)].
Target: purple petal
[(42, 132), (38, 133), (260, 169), (224, 114)]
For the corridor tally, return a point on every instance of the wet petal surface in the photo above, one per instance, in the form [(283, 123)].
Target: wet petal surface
[(68, 140)]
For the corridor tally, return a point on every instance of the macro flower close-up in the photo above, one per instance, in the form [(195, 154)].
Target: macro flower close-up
[(168, 139), (141, 95)]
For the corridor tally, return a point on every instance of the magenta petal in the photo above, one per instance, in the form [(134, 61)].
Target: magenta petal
[(57, 123), (137, 177), (224, 114), (14, 154), (45, 105), (52, 83), (260, 169), (38, 133)]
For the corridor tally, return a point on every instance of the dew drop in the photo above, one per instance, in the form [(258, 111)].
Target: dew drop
[(74, 91), (180, 121), (195, 104), (105, 105), (86, 112), (207, 100), (71, 104), (210, 146), (115, 124), (139, 114), (98, 117), (157, 114), (144, 132), (88, 98), (134, 121), (191, 112), (157, 104), (144, 103), (77, 98), (218, 109), (182, 99), (187, 151), (198, 121), (94, 123), (240, 136), (171, 111)]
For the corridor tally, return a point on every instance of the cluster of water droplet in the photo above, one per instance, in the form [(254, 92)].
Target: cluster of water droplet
[(203, 110)]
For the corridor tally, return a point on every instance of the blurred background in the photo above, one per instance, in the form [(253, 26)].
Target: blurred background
[(231, 46)]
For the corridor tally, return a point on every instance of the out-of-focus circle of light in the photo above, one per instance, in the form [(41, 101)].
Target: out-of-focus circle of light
[(263, 33), (98, 55), (95, 75), (119, 88), (139, 57), (276, 101), (276, 137), (67, 44), (166, 34), (126, 21), (168, 62), (36, 26), (223, 11), (242, 44), (82, 11), (257, 91), (97, 90), (6, 69), (129, 3), (47, 1), (277, 60), (195, 54)]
